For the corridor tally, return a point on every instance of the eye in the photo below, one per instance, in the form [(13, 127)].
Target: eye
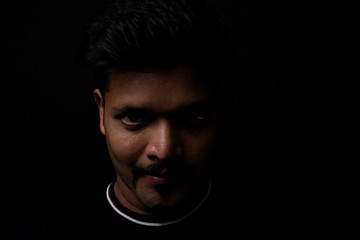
[(133, 118), (196, 119)]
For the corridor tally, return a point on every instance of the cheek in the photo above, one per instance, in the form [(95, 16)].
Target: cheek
[(125, 149), (201, 149)]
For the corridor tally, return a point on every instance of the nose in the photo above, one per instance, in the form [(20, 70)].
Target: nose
[(164, 142)]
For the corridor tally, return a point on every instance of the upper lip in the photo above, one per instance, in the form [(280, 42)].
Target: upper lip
[(160, 174)]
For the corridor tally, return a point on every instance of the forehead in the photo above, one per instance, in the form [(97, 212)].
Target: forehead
[(161, 89)]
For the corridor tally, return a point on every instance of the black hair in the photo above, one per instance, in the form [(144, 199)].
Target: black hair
[(151, 35)]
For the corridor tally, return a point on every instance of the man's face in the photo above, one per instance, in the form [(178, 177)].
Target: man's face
[(160, 129)]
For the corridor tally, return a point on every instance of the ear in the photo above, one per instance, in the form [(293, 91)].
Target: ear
[(99, 99)]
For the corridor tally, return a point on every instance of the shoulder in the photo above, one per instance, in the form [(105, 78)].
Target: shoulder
[(76, 213), (266, 204)]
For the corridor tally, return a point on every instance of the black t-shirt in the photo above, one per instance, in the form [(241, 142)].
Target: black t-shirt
[(97, 214), (230, 211)]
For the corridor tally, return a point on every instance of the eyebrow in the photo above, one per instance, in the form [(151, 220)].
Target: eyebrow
[(184, 108), (124, 110)]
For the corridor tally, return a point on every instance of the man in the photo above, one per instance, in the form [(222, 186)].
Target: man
[(157, 101), (158, 66)]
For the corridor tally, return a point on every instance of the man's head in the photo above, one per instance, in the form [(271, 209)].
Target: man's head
[(158, 65), (151, 35)]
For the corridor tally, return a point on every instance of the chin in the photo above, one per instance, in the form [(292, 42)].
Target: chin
[(162, 197)]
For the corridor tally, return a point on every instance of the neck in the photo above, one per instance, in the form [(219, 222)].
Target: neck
[(189, 204)]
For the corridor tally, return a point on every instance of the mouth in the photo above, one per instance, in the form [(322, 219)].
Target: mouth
[(154, 174), (157, 180), (158, 176)]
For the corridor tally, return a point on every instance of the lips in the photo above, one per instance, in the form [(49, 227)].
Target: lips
[(156, 174), (155, 180)]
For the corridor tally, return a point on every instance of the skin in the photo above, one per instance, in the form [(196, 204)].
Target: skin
[(160, 128)]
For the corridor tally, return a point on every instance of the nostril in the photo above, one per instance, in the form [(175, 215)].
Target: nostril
[(151, 152), (152, 157), (163, 151)]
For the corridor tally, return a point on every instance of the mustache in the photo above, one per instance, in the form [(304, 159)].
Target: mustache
[(154, 170), (169, 169), (158, 170), (162, 170)]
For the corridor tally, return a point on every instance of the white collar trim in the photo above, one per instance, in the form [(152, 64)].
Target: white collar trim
[(154, 224)]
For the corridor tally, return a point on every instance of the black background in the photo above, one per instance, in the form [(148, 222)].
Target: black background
[(292, 102)]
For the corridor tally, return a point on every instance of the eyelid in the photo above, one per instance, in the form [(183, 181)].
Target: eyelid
[(130, 122), (141, 118)]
